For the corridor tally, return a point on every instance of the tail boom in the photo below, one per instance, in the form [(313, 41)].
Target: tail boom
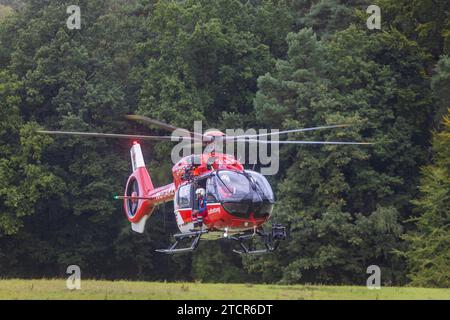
[(141, 198)]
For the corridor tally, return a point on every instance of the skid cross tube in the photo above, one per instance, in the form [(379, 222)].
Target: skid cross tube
[(181, 236), (271, 240)]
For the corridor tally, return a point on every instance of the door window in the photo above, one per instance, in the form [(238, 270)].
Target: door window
[(184, 196)]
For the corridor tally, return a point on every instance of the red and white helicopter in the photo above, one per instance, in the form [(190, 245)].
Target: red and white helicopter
[(235, 202)]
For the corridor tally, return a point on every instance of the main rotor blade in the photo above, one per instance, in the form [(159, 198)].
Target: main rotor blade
[(115, 135), (286, 131), (163, 125), (302, 142)]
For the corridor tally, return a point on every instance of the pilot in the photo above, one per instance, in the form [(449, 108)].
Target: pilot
[(200, 213), (226, 189)]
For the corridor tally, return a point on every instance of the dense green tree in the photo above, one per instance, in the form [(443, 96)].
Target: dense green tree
[(326, 16), (26, 183), (440, 82), (232, 64), (207, 62), (5, 11), (425, 21), (126, 55), (429, 253), (214, 263), (344, 205), (16, 4), (70, 79)]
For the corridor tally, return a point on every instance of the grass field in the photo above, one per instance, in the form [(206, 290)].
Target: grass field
[(93, 289)]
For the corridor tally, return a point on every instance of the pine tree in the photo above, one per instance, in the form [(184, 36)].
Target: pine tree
[(429, 251)]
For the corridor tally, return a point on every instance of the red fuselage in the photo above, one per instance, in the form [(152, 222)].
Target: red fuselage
[(237, 199)]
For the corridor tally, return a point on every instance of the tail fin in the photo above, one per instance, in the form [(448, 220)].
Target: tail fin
[(139, 184)]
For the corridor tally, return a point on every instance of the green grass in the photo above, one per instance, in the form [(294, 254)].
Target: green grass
[(93, 289)]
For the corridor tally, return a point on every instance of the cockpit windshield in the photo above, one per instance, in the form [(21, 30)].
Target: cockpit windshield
[(232, 185), (228, 185), (262, 186), (241, 193)]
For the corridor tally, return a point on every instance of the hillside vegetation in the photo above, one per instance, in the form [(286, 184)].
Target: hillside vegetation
[(232, 64)]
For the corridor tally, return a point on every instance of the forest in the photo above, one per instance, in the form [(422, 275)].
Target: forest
[(278, 64)]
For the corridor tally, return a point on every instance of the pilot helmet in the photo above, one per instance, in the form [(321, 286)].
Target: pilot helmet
[(200, 192)]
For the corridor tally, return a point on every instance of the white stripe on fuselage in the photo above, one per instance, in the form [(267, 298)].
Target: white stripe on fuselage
[(187, 226)]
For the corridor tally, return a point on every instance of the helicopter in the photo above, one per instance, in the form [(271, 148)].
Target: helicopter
[(236, 202)]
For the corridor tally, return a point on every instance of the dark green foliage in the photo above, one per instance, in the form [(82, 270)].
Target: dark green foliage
[(327, 16), (207, 63), (232, 64), (440, 84), (425, 21), (8, 6), (429, 254), (343, 202)]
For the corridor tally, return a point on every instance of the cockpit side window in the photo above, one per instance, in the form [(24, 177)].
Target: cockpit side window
[(211, 193), (184, 196)]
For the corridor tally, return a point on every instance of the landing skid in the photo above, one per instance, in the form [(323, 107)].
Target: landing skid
[(180, 237), (270, 240)]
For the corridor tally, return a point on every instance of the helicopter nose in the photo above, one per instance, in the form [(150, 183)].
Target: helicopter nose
[(262, 209)]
